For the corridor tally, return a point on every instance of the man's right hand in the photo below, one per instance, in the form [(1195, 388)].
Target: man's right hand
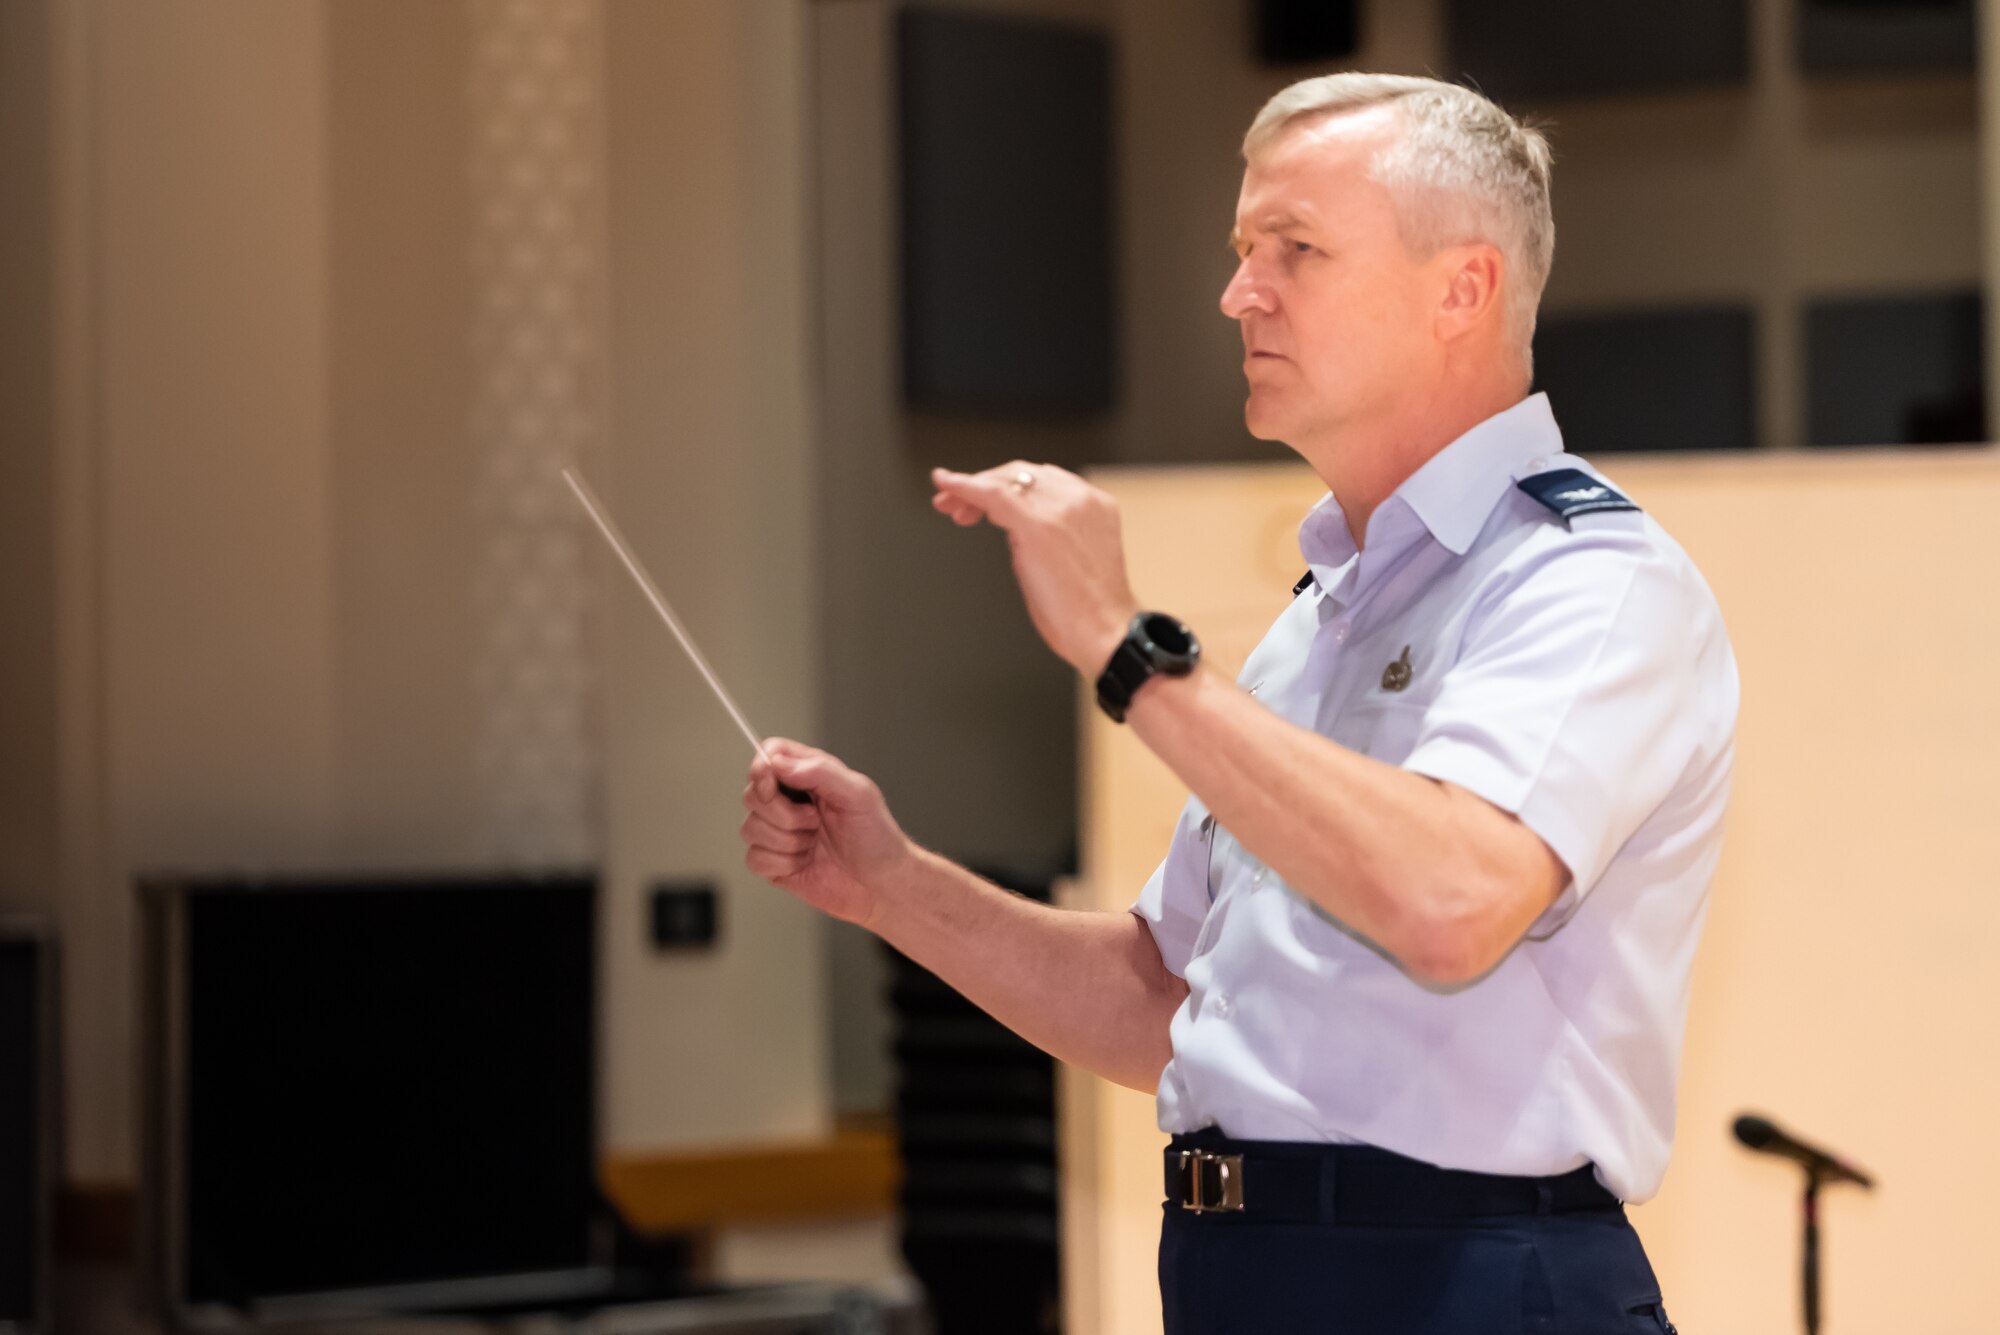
[(1088, 987), (833, 853)]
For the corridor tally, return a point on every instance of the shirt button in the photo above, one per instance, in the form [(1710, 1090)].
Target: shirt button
[(1340, 632), (1258, 879), (1221, 1007)]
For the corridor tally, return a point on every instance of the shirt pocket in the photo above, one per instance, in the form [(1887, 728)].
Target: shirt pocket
[(1382, 729)]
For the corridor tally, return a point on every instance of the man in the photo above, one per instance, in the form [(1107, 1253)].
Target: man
[(1411, 980)]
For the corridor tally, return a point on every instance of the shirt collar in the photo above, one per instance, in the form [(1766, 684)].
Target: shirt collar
[(1457, 488), (1453, 492)]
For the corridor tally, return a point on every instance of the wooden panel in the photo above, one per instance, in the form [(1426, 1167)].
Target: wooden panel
[(1843, 985), (854, 1173), (1218, 546)]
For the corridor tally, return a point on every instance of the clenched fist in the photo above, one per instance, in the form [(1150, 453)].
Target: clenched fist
[(833, 853)]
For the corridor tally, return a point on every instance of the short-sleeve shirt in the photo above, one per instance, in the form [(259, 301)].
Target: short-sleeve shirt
[(1572, 671)]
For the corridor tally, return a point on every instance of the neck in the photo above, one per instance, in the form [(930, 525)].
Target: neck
[(1363, 460)]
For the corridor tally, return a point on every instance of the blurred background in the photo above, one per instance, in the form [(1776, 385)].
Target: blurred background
[(302, 303)]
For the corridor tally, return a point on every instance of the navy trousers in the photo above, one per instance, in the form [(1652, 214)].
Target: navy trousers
[(1583, 1272)]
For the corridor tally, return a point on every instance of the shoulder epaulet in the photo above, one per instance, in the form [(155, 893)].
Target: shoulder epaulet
[(1305, 582), (1571, 492)]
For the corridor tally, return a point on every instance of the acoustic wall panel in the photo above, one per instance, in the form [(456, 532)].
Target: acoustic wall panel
[(1905, 370), (356, 1083), (1650, 380), (1885, 36), (1007, 174), (976, 1137), (27, 1029), (1536, 50), (1290, 32)]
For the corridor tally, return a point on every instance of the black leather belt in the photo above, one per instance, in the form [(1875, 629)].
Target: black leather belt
[(1307, 1181)]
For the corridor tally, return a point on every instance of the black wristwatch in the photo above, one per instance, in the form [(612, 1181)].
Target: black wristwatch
[(1155, 644)]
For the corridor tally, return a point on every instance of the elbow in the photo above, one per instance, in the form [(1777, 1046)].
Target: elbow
[(1472, 905), (1441, 942), (1468, 919), (1446, 961), (1454, 945)]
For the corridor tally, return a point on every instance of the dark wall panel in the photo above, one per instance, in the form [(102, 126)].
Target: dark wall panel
[(1895, 370), (1290, 32), (24, 1170), (1007, 175), (1884, 36), (375, 1082), (1535, 50), (1650, 380)]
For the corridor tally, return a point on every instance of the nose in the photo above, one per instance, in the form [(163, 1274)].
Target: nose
[(1244, 294)]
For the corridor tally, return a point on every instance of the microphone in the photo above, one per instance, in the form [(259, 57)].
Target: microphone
[(1760, 1135)]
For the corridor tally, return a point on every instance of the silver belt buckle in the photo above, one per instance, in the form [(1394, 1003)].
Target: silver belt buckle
[(1228, 1194)]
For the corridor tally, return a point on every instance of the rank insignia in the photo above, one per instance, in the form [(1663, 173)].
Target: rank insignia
[(1397, 675), (1571, 492)]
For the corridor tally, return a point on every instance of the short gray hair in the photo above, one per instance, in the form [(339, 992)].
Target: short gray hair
[(1482, 175)]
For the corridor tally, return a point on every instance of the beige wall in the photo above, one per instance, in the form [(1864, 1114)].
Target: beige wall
[(213, 606), (256, 626), (1842, 986), (400, 458), (712, 468), (1989, 169), (28, 844)]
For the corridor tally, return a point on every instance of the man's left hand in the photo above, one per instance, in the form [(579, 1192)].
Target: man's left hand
[(1068, 557)]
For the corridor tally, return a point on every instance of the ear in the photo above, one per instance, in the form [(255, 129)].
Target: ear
[(1470, 296)]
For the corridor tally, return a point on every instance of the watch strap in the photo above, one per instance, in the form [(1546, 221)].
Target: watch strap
[(1139, 658)]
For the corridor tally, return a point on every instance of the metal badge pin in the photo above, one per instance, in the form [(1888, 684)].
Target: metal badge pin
[(1397, 675)]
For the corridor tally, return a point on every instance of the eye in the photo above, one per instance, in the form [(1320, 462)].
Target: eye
[(1302, 247)]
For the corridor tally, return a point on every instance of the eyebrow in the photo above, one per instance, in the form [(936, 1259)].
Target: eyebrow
[(1274, 222)]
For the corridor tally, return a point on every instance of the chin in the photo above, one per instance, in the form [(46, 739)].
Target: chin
[(1262, 422)]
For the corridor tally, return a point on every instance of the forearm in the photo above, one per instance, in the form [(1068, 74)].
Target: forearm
[(1426, 870), (1086, 987)]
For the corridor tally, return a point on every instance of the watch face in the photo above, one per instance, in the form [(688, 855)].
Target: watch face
[(1154, 643), (1169, 634)]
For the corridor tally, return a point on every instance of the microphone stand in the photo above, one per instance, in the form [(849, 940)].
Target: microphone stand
[(1809, 1252), (1759, 1134)]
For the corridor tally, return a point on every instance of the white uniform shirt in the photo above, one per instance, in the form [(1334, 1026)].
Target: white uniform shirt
[(1574, 673)]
